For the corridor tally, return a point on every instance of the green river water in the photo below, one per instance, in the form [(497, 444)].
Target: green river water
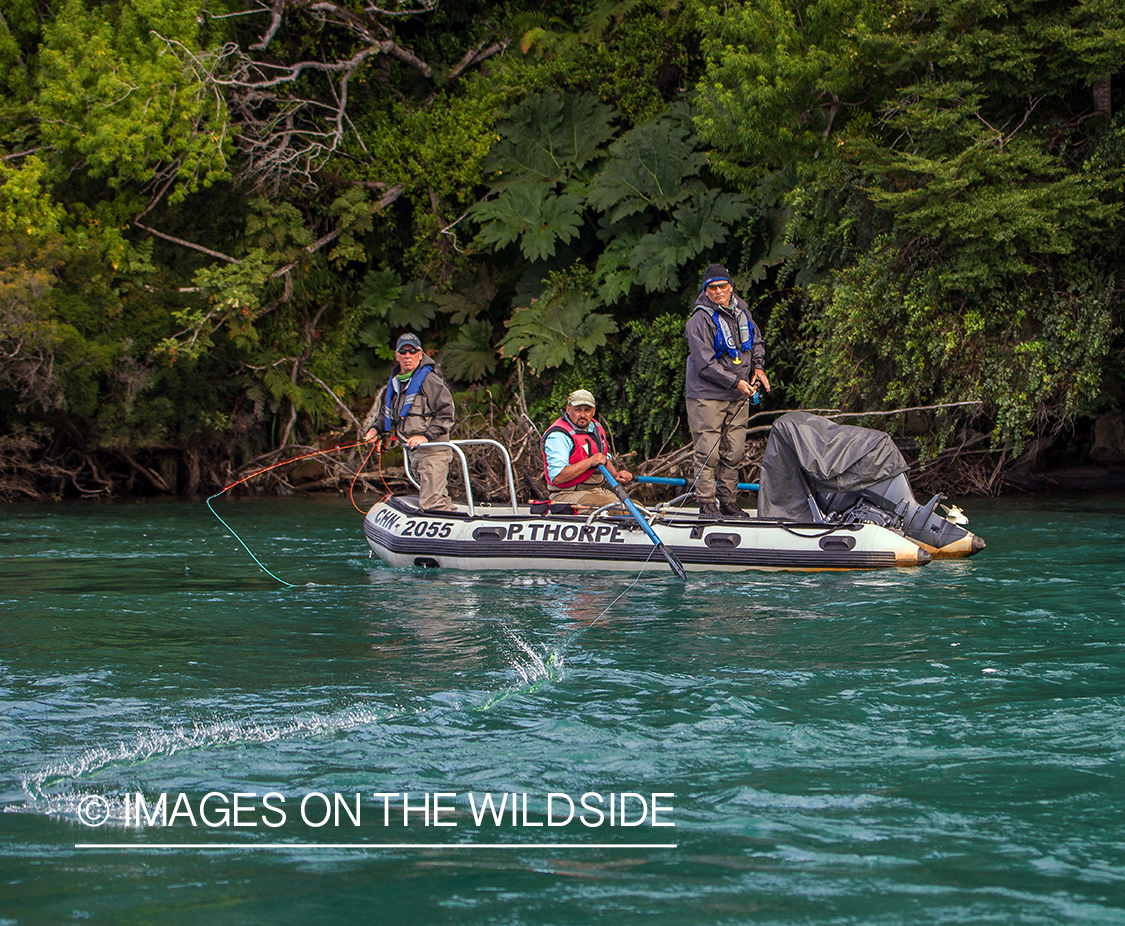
[(935, 745)]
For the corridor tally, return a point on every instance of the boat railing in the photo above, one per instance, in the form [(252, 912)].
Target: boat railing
[(455, 446)]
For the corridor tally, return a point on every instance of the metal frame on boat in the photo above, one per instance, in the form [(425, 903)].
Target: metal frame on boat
[(510, 536)]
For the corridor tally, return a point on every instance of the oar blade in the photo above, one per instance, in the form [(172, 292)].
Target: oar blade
[(673, 561)]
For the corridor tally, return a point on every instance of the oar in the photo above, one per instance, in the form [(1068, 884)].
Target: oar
[(670, 481), (673, 560)]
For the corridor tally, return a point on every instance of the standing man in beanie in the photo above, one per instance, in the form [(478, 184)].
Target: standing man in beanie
[(418, 409), (724, 366), (573, 448)]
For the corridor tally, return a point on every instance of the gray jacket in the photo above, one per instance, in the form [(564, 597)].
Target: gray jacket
[(431, 413), (717, 378)]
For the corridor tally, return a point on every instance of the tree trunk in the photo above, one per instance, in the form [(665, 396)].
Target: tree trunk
[(192, 487), (1102, 91)]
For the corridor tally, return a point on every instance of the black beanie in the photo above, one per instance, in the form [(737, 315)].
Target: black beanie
[(715, 273)]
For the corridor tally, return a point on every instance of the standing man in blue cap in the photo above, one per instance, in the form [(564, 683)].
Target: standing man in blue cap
[(725, 363), (418, 409)]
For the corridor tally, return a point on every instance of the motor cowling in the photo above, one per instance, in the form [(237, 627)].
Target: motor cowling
[(891, 503)]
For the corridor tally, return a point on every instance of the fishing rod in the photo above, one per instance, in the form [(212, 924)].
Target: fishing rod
[(753, 396), (260, 472)]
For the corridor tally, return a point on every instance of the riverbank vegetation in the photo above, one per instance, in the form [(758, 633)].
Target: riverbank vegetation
[(217, 215)]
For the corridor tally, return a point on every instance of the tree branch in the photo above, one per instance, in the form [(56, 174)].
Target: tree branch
[(187, 244), (275, 23), (335, 398), (476, 56), (23, 154), (152, 477)]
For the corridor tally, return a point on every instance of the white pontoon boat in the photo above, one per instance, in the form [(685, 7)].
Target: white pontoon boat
[(511, 536)]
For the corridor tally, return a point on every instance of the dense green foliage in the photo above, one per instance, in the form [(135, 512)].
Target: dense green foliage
[(953, 182), (215, 217)]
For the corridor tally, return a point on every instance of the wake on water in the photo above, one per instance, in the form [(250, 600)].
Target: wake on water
[(533, 666), (55, 790)]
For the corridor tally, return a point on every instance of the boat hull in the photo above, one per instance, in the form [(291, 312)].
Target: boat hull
[(402, 535)]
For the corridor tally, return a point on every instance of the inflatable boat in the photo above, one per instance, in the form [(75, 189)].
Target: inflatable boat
[(510, 536)]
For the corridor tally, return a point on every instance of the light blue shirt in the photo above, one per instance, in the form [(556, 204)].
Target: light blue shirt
[(558, 447)]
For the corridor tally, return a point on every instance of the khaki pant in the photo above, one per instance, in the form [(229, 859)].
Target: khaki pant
[(707, 418), (431, 469), (593, 493)]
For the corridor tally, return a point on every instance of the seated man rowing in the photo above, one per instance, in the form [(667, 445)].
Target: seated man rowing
[(573, 448)]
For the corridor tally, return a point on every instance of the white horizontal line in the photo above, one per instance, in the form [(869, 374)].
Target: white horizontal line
[(117, 846)]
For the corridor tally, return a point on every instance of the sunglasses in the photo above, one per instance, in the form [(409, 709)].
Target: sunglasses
[(408, 351)]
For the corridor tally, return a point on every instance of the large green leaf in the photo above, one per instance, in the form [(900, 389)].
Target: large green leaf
[(471, 294), (553, 328), (697, 226), (377, 335), (470, 356), (615, 271), (707, 217), (649, 167), (530, 213), (379, 291), (549, 137), (415, 307)]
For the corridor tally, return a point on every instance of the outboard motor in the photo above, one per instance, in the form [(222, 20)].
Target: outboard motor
[(891, 503), (816, 469)]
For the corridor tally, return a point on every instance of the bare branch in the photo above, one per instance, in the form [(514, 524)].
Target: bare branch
[(832, 110), (149, 475), (476, 56), (292, 116), (187, 244), (335, 398), (23, 154), (292, 72), (899, 411), (1002, 138), (171, 174), (275, 23)]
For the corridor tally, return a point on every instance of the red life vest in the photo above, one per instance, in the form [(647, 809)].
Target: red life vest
[(586, 444)]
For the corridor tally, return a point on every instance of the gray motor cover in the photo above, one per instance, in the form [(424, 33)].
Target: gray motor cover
[(809, 453)]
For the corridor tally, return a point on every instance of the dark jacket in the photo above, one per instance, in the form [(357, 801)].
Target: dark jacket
[(432, 411), (711, 377)]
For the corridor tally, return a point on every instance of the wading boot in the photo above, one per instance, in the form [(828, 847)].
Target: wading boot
[(709, 511), (731, 510)]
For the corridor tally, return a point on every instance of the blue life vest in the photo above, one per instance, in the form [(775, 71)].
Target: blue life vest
[(725, 342), (412, 389)]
